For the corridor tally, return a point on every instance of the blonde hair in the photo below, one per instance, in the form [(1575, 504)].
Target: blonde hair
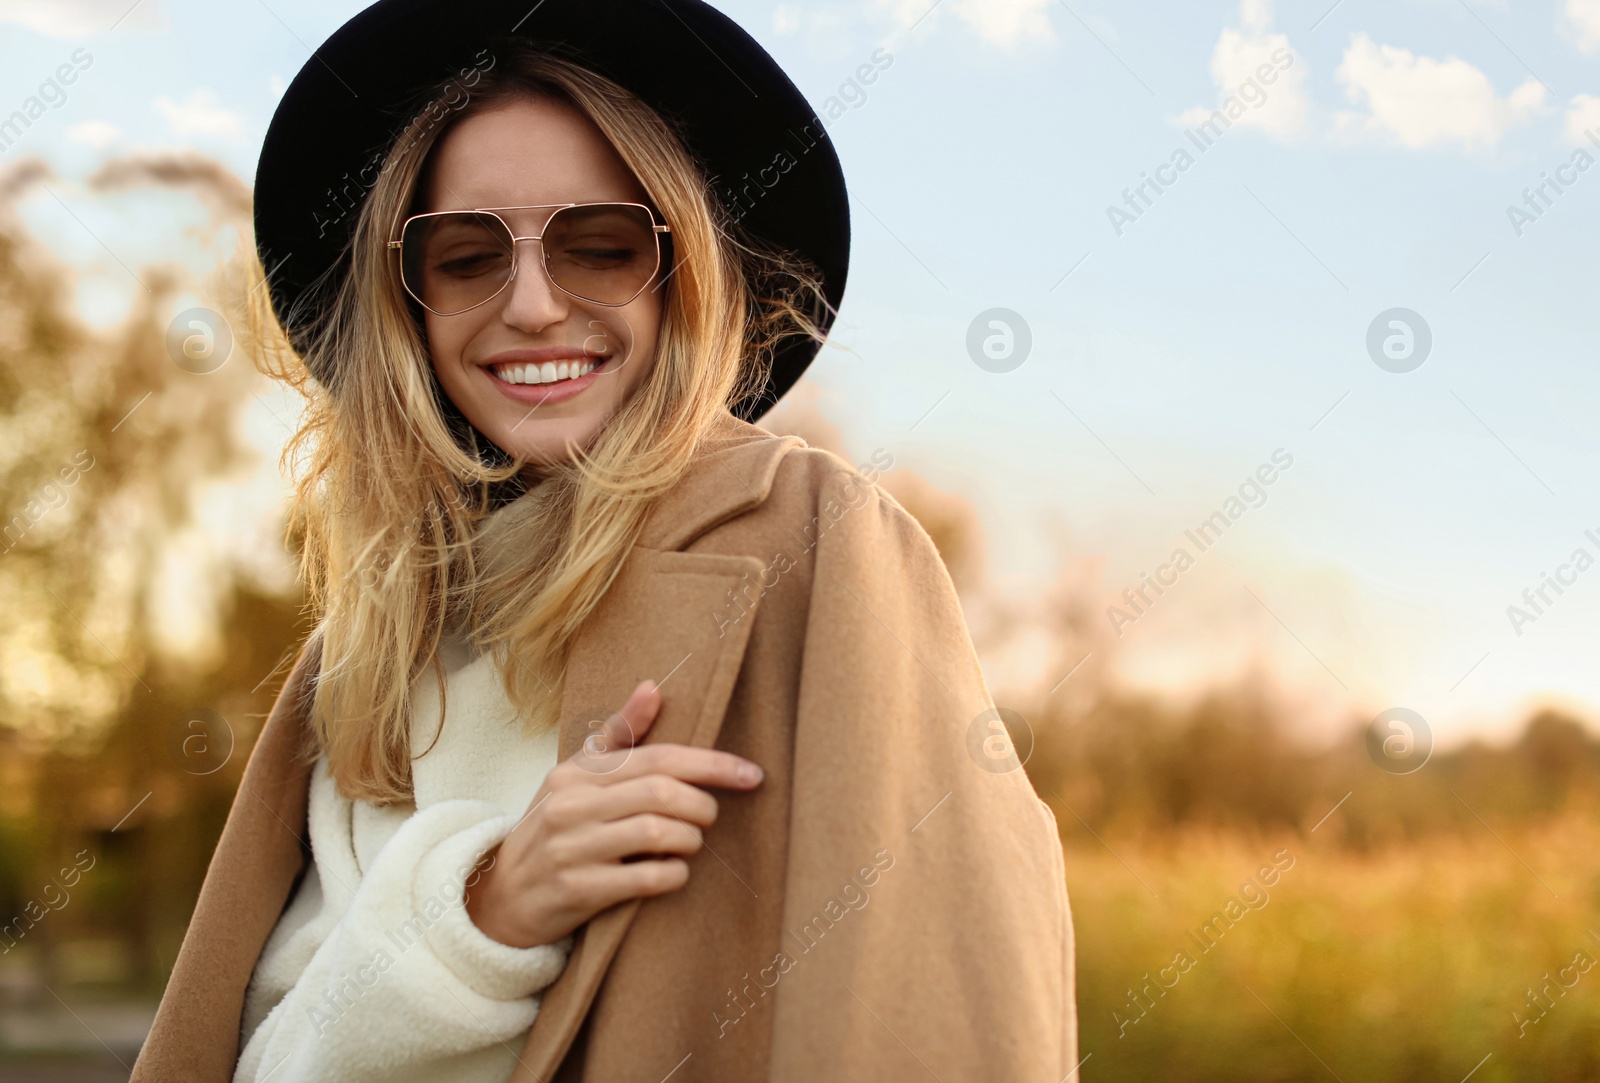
[(392, 483)]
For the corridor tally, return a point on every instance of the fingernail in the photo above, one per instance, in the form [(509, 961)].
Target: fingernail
[(749, 773)]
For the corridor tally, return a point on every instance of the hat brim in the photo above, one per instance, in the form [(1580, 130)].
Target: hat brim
[(738, 112)]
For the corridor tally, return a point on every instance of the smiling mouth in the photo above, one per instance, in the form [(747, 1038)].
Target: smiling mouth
[(549, 372)]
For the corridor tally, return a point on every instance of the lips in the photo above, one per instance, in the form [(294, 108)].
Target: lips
[(546, 375)]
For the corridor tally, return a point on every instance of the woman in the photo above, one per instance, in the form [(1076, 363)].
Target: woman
[(796, 851)]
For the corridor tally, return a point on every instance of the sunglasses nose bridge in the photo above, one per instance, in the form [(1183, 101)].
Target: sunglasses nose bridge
[(516, 260), (516, 265), (509, 288)]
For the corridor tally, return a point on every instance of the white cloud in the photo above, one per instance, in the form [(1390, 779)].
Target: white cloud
[(199, 115), (76, 18), (1005, 22), (1582, 117), (1256, 15), (98, 134), (1279, 107), (1422, 102), (1583, 23)]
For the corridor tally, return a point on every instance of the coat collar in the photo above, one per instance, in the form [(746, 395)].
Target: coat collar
[(732, 472)]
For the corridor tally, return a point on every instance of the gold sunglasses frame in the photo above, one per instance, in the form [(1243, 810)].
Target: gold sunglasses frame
[(555, 208)]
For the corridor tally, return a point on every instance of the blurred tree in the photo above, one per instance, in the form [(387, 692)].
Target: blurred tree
[(107, 450)]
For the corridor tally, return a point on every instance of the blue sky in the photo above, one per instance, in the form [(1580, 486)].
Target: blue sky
[(1171, 355)]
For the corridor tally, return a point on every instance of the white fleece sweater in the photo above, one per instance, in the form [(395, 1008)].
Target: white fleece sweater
[(375, 971)]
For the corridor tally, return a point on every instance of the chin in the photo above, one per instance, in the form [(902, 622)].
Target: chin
[(549, 443)]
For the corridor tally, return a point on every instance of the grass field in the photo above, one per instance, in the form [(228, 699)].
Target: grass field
[(1410, 962)]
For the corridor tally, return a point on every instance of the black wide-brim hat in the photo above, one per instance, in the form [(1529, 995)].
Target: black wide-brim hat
[(730, 102)]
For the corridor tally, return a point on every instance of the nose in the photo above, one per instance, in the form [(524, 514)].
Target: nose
[(533, 302)]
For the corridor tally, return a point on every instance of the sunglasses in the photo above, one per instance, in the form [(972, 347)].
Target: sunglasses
[(454, 261)]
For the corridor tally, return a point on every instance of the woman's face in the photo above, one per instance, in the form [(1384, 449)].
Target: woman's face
[(526, 154)]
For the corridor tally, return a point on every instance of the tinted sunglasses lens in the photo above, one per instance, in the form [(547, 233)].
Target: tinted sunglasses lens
[(456, 261), (605, 252)]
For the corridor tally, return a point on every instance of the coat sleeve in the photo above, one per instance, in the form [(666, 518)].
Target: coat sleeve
[(378, 973), (925, 921)]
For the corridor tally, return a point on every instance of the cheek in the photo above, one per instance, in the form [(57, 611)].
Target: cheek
[(644, 322), (447, 340), (442, 344), (632, 331)]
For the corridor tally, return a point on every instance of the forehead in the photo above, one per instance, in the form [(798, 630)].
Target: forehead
[(525, 153)]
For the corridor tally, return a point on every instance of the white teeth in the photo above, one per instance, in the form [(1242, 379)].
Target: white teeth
[(547, 373)]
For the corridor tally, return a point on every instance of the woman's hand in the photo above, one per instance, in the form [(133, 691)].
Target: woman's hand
[(607, 825)]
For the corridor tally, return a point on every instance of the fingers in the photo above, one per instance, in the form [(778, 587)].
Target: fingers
[(613, 753), (618, 840), (698, 766), (627, 727), (661, 794), (593, 888)]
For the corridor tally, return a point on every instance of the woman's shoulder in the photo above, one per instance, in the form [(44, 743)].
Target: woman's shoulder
[(814, 480), (746, 478), (812, 476)]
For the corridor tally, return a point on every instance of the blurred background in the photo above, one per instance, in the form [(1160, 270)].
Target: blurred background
[(1115, 267)]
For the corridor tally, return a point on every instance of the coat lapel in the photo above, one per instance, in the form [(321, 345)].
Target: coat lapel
[(670, 616)]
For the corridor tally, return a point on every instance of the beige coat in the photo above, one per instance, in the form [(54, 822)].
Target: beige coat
[(889, 904)]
